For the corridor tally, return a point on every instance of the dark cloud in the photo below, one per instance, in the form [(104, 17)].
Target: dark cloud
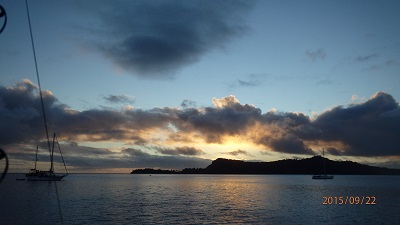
[(110, 125), (153, 39), (366, 57), (138, 159), (22, 119), (319, 54), (20, 112), (281, 135), (135, 152), (84, 151), (134, 158), (238, 152), (229, 117), (188, 104), (290, 143), (185, 150), (120, 99), (248, 83), (332, 151), (84, 158), (364, 129), (251, 80), (380, 66), (367, 128)]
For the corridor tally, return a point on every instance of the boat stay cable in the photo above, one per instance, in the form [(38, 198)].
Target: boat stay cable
[(44, 113), (61, 154), (37, 76)]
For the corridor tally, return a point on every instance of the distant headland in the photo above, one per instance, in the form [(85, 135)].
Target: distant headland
[(287, 166)]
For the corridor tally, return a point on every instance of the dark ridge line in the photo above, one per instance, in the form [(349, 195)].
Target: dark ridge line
[(287, 166)]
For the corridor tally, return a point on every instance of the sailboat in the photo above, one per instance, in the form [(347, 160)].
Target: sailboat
[(49, 175), (324, 175), (35, 174)]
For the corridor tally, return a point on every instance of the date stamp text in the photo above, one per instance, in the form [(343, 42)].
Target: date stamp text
[(349, 200)]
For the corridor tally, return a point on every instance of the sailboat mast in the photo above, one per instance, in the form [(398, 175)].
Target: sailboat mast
[(37, 75), (52, 154), (323, 157), (37, 149)]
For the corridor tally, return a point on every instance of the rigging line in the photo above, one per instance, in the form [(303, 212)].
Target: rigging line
[(37, 75), (42, 104), (61, 156), (52, 154)]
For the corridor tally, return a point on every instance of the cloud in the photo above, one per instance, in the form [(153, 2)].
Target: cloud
[(354, 98), (319, 54), (366, 57), (380, 66), (84, 159), (139, 159), (251, 80), (134, 158), (135, 152), (244, 83), (228, 117), (188, 104), (120, 99), (185, 150), (277, 131), (22, 119), (248, 83), (364, 129), (20, 112), (290, 143), (367, 128), (238, 152), (154, 39), (229, 101)]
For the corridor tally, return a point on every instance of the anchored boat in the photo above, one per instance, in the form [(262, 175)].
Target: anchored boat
[(324, 175), (49, 175)]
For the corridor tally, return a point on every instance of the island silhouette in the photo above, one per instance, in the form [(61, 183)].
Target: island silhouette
[(311, 165)]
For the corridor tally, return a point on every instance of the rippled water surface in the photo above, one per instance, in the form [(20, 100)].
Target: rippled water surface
[(199, 199)]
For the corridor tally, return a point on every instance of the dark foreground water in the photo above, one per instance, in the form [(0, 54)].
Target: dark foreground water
[(201, 199)]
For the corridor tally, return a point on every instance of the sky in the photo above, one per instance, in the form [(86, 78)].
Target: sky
[(177, 84)]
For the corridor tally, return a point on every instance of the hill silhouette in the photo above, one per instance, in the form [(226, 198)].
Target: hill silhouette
[(312, 165)]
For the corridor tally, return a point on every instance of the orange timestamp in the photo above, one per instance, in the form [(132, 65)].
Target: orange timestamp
[(349, 200)]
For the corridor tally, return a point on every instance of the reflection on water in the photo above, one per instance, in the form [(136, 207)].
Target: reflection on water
[(198, 199)]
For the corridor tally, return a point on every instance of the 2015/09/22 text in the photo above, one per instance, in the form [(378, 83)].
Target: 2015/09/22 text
[(351, 200)]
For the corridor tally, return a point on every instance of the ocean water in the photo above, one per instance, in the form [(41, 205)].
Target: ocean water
[(201, 199)]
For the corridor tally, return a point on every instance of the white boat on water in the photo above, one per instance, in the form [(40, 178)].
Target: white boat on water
[(324, 175)]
